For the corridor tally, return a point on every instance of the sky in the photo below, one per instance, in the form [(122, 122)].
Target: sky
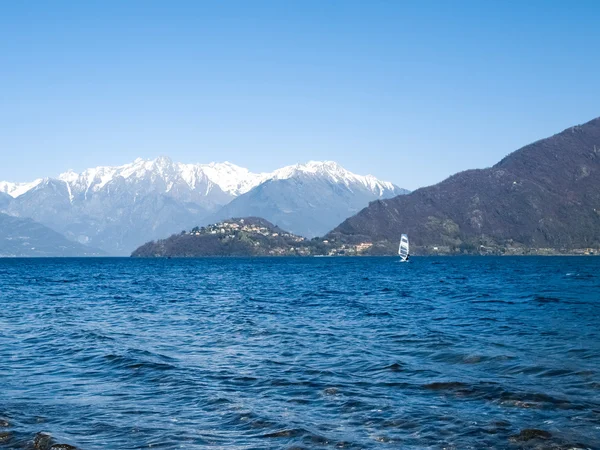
[(409, 91)]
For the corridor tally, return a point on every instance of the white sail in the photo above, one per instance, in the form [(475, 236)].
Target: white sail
[(403, 248)]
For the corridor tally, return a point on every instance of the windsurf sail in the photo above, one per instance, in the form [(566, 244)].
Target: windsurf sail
[(403, 248)]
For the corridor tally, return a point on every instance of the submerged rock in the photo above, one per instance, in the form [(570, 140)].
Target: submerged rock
[(44, 441), (529, 434), (5, 436), (330, 391)]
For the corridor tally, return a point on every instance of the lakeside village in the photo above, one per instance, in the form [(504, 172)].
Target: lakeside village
[(276, 241), (260, 237)]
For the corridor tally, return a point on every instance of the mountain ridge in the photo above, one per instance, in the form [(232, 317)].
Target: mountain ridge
[(322, 203), (22, 237), (117, 208), (543, 195), (243, 236), (230, 178)]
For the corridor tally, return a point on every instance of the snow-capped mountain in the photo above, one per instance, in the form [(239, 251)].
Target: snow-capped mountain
[(17, 189), (167, 175), (309, 199), (335, 173), (229, 178), (118, 208)]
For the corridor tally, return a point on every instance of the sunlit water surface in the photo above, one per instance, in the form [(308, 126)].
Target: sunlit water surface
[(304, 353)]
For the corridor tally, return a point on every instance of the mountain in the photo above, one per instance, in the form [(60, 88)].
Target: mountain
[(248, 236), (309, 199), (545, 195), (119, 208), (5, 200), (16, 189), (24, 237)]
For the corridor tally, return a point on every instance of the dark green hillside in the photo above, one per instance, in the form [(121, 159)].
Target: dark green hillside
[(544, 197), (249, 236)]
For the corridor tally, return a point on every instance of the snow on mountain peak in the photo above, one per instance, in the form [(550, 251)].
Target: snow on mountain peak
[(336, 173), (70, 176), (230, 178), (17, 189)]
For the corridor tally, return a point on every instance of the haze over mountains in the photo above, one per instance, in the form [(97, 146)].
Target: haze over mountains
[(545, 195), (119, 208), (25, 238)]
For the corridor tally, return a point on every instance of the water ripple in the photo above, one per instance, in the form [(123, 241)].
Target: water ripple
[(341, 353)]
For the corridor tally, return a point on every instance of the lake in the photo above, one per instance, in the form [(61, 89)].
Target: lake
[(352, 353)]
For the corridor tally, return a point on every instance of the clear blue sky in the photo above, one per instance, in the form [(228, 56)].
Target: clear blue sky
[(408, 91)]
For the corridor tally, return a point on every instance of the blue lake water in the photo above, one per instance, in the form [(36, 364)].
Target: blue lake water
[(301, 353)]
